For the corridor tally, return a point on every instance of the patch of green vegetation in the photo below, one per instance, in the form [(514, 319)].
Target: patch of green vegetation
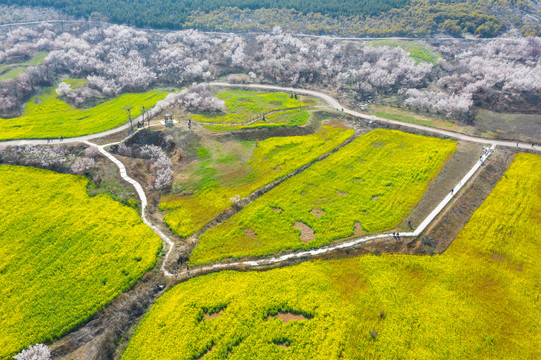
[(478, 300), (16, 69), (203, 153), (399, 114), (75, 83), (217, 182), (64, 255), (417, 52), (47, 116), (375, 181), (243, 106), (291, 118)]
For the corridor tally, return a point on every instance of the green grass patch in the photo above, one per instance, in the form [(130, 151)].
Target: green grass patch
[(290, 118), (271, 159), (394, 113), (478, 300), (64, 255), (47, 116), (374, 181), (16, 69), (243, 106), (416, 51)]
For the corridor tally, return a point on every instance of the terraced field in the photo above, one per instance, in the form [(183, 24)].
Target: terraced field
[(47, 116), (287, 118), (64, 255), (11, 71), (272, 159), (243, 106), (479, 300), (368, 186)]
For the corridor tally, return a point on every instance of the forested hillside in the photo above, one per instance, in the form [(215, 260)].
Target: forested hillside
[(172, 13), (484, 18)]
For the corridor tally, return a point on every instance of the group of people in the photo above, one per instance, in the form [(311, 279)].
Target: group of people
[(51, 139)]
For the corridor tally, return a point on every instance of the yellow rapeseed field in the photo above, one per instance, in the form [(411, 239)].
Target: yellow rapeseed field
[(46, 115), (63, 254), (479, 300), (272, 159), (368, 186)]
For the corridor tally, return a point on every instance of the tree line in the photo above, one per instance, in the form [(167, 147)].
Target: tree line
[(173, 13)]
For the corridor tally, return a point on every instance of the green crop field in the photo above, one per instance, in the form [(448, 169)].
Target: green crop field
[(47, 116), (479, 300), (288, 118), (11, 71), (243, 106), (64, 255), (417, 52), (368, 186), (270, 160)]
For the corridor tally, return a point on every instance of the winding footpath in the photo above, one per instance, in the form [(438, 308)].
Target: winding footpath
[(273, 260)]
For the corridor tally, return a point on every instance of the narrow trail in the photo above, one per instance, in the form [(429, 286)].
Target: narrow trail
[(250, 264), (142, 196)]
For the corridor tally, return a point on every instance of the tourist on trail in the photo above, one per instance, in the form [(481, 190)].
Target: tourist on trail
[(452, 191), (61, 138)]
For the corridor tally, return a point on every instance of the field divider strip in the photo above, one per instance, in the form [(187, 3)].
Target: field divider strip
[(245, 201)]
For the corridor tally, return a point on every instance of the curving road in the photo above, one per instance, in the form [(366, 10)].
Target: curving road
[(336, 105), (303, 254)]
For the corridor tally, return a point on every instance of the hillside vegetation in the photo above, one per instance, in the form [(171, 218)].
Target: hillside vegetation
[(272, 159), (64, 255), (243, 106), (368, 186), (169, 13), (479, 300), (484, 18), (46, 115)]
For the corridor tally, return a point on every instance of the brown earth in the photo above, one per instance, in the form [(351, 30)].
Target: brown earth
[(317, 212), (250, 233), (213, 316), (358, 230), (307, 233), (465, 156), (287, 317), (341, 193), (447, 226)]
